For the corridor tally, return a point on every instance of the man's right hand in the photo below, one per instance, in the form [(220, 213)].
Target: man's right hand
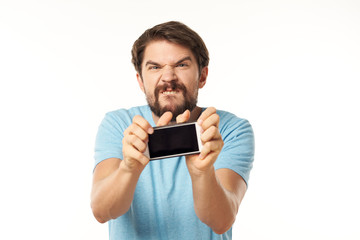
[(135, 141), (134, 144), (114, 180)]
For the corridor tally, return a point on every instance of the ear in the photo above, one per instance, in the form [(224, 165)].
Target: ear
[(203, 77), (140, 82)]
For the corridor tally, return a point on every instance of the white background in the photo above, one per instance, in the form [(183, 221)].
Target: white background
[(290, 67)]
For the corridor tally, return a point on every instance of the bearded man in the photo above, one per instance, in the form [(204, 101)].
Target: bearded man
[(187, 197)]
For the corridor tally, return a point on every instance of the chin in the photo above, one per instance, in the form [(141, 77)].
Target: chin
[(170, 108)]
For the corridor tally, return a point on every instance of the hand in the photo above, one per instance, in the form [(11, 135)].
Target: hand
[(135, 141), (211, 140)]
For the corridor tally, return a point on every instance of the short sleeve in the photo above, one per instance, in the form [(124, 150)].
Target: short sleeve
[(239, 147), (108, 143)]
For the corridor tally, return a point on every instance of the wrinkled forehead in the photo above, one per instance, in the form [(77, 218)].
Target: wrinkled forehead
[(166, 52)]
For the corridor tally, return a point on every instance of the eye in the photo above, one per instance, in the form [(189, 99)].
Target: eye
[(182, 65), (154, 67)]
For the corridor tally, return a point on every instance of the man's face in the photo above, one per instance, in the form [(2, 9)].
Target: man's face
[(170, 78)]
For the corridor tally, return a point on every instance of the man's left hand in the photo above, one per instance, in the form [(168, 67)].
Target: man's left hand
[(211, 140)]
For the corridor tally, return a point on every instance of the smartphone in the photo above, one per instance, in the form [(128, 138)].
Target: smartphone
[(174, 140)]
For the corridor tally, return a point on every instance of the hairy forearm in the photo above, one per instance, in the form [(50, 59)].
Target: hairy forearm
[(111, 197), (214, 205)]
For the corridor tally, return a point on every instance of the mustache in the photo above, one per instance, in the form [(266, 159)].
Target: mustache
[(173, 85)]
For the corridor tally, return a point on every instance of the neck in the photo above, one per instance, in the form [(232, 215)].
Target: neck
[(194, 115)]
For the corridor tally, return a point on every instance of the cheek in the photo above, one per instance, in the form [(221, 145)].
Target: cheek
[(147, 85), (150, 82), (192, 83), (148, 90), (188, 78)]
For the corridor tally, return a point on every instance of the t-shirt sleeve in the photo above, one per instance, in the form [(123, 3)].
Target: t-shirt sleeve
[(238, 150), (108, 143)]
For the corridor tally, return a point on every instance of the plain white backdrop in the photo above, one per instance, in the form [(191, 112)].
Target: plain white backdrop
[(290, 67)]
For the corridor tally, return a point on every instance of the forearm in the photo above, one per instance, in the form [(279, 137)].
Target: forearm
[(214, 205), (111, 197)]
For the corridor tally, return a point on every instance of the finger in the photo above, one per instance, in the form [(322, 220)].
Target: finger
[(184, 117), (205, 114), (211, 133), (141, 122), (212, 120), (135, 129), (136, 142), (164, 119), (209, 147), (132, 153), (204, 151)]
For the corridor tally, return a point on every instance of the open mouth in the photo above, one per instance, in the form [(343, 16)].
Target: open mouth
[(172, 89), (168, 92)]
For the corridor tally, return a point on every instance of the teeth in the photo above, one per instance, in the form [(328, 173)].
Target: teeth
[(169, 92)]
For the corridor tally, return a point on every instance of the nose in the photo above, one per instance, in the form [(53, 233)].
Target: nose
[(168, 74)]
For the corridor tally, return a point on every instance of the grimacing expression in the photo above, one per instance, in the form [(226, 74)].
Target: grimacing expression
[(170, 78), (169, 90)]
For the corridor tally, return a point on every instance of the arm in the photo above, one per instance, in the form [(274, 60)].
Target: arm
[(109, 198), (217, 194), (217, 197), (114, 180)]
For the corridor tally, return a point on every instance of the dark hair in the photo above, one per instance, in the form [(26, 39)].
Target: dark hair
[(174, 32)]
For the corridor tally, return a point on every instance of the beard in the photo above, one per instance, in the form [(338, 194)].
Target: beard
[(189, 102)]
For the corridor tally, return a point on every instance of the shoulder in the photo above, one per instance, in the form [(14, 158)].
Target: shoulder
[(126, 115), (238, 151), (122, 112), (229, 122), (235, 129)]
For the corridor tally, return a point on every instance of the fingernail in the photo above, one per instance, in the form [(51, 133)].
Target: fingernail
[(201, 129), (200, 121), (150, 130)]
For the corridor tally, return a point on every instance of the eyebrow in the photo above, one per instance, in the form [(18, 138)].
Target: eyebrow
[(150, 62), (183, 59)]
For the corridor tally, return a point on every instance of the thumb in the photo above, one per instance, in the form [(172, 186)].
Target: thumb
[(164, 119), (184, 117)]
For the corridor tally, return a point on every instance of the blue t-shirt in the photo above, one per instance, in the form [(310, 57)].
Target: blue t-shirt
[(163, 206)]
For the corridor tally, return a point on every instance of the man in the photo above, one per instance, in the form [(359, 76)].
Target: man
[(192, 197)]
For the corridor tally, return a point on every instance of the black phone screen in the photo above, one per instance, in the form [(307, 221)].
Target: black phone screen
[(173, 140)]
